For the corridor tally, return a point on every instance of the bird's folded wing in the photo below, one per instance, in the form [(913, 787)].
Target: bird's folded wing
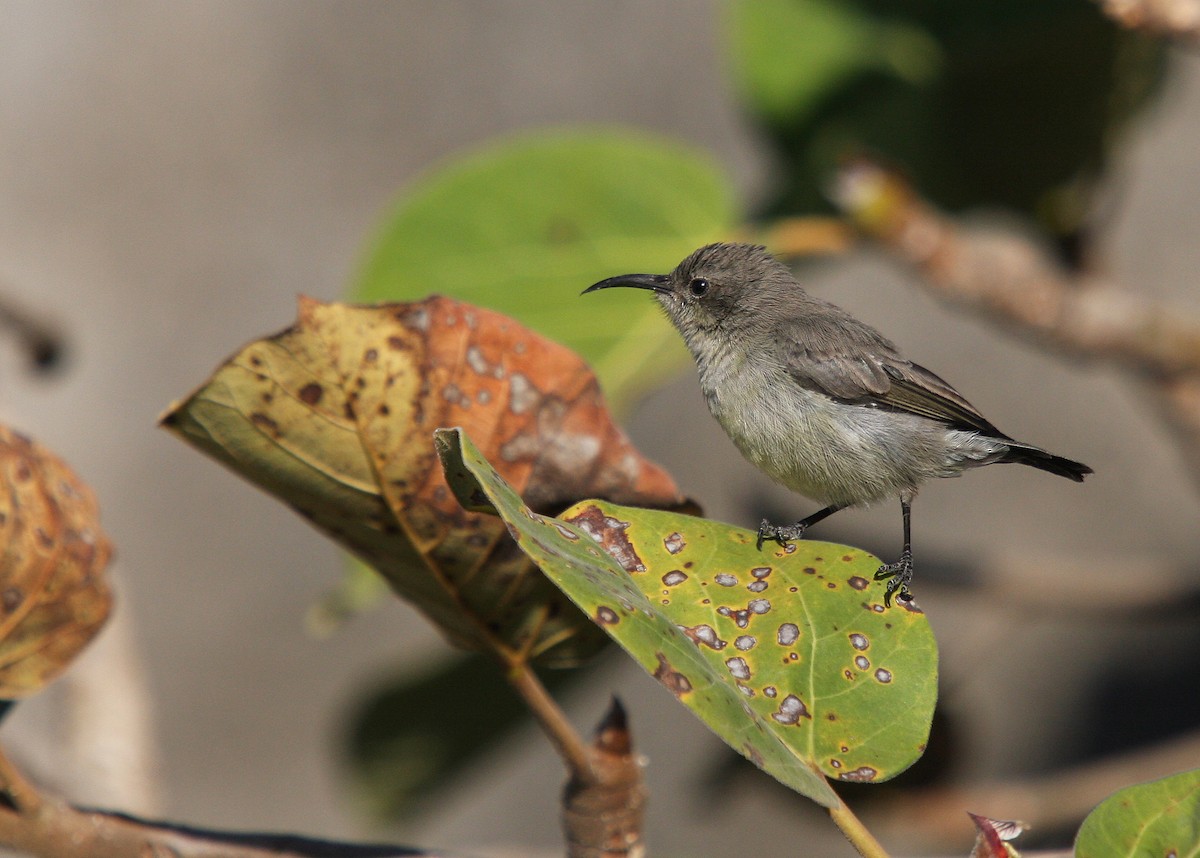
[(858, 366)]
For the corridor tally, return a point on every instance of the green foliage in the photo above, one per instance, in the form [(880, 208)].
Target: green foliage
[(1013, 103), (1151, 819), (525, 224), (791, 54), (785, 655)]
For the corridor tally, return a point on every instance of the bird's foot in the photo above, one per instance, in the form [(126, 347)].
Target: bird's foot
[(898, 576), (783, 533)]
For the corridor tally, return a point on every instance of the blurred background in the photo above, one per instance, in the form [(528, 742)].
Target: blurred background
[(173, 175)]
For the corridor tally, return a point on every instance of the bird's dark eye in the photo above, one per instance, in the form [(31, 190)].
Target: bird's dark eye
[(698, 286)]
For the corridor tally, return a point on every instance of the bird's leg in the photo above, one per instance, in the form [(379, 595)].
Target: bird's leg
[(784, 533), (899, 574)]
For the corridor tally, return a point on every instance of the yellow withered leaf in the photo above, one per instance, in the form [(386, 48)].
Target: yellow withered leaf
[(53, 596), (335, 417)]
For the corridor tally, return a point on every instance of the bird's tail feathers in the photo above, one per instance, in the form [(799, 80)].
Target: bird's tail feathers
[(1036, 457)]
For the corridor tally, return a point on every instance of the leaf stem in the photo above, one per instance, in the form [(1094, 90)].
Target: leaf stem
[(18, 793), (853, 829)]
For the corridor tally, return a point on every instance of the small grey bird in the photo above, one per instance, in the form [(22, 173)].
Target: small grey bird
[(819, 401)]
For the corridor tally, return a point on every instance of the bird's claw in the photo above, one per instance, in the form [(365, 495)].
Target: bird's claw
[(898, 576), (783, 534)]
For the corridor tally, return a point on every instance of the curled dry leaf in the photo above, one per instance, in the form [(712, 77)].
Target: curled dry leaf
[(335, 416), (994, 837), (53, 596)]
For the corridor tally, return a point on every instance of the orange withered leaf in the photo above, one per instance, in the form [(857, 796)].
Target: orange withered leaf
[(53, 595), (335, 416)]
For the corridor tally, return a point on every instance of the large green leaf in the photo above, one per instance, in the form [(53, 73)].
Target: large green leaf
[(789, 656), (524, 224), (1152, 819)]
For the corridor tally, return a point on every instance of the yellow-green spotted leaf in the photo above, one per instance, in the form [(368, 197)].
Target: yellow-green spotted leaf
[(790, 657), (1156, 819), (524, 224)]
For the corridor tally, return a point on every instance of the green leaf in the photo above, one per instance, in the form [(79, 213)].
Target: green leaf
[(790, 56), (525, 224), (790, 657), (1152, 819)]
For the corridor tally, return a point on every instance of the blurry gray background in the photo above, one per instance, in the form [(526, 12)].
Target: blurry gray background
[(172, 175)]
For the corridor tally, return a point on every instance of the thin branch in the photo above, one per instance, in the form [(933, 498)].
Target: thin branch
[(40, 340), (1057, 800), (42, 825), (1009, 279), (1175, 19), (554, 723), (604, 818)]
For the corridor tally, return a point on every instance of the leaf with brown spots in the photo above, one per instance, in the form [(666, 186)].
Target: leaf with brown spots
[(781, 653), (335, 416), (53, 595)]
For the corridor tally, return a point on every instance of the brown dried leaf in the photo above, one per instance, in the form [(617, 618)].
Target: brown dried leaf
[(53, 596), (994, 836), (335, 417)]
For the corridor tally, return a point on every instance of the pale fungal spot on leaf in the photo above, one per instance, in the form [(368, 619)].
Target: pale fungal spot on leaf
[(863, 774), (607, 616), (476, 361), (745, 642), (725, 579), (522, 395), (770, 691), (454, 395), (738, 668), (859, 641), (674, 578), (704, 634), (862, 662), (417, 319), (883, 675), (788, 634), (674, 543), (760, 571), (756, 586), (759, 606), (791, 710)]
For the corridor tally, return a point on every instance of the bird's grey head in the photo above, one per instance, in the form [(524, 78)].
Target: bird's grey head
[(719, 289)]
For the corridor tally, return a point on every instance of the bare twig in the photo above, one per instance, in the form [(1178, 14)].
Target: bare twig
[(1011, 280), (554, 723), (42, 825), (604, 818), (41, 342), (1176, 19), (1057, 800)]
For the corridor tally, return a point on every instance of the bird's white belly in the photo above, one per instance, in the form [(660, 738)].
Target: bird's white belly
[(830, 451)]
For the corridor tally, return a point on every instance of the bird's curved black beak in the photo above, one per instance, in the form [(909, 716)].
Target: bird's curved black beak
[(653, 282)]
